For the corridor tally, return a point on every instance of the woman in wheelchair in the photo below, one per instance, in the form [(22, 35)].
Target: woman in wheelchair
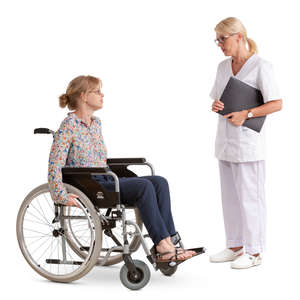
[(79, 143)]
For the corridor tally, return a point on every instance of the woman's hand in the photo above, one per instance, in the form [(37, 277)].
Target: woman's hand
[(72, 201), (217, 105), (237, 118)]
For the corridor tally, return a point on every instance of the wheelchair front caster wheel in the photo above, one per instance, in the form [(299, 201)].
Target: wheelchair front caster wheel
[(135, 281), (168, 271)]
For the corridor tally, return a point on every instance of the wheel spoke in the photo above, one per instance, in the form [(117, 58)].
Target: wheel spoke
[(39, 213), (35, 231), (40, 246), (41, 209), (27, 220), (28, 212), (52, 208)]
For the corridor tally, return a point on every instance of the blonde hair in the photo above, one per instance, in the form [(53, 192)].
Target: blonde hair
[(233, 25), (78, 85)]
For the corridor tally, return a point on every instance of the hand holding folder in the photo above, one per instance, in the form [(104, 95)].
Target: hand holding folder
[(238, 96)]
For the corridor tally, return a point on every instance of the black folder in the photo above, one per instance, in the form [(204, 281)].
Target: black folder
[(238, 96)]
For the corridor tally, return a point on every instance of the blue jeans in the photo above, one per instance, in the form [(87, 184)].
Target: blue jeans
[(150, 194)]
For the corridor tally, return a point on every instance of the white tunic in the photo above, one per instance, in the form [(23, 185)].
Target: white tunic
[(239, 143)]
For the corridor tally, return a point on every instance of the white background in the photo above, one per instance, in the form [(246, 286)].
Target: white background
[(157, 61)]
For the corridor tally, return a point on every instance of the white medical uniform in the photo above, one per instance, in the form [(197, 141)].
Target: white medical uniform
[(241, 153)]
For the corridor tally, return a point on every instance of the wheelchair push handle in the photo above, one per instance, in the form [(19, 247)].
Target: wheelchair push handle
[(139, 160), (43, 131)]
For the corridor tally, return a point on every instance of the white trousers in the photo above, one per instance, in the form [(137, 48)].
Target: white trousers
[(243, 201)]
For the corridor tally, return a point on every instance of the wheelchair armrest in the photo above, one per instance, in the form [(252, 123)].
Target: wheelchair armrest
[(73, 170), (139, 160), (119, 165)]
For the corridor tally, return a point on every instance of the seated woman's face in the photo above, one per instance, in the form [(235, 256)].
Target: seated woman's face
[(95, 98)]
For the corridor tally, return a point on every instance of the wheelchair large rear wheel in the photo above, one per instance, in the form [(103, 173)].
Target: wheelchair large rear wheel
[(43, 237)]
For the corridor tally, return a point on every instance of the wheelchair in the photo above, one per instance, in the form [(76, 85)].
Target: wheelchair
[(63, 243)]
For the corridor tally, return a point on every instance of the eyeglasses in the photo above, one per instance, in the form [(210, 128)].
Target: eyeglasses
[(98, 92), (222, 39)]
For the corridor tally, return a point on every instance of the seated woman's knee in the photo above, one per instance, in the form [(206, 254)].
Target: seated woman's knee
[(160, 180), (144, 184)]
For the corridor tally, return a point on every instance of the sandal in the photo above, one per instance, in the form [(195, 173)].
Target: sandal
[(186, 250), (175, 239), (173, 258), (158, 256)]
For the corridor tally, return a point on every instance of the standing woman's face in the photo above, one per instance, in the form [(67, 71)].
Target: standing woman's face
[(229, 44), (94, 98)]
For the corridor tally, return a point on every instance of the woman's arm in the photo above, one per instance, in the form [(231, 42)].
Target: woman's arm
[(267, 108), (239, 117), (57, 160)]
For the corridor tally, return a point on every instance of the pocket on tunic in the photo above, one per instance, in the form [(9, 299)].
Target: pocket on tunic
[(247, 132)]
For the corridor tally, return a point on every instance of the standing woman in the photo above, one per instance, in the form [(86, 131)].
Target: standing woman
[(241, 151)]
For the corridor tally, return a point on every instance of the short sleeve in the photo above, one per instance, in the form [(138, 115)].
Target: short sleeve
[(57, 159), (267, 83), (214, 91)]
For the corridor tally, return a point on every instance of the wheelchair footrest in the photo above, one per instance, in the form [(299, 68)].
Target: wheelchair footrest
[(61, 262), (172, 264)]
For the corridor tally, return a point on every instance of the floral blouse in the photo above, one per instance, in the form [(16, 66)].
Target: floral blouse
[(75, 144)]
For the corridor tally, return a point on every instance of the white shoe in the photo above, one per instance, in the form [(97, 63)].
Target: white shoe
[(246, 261), (226, 255)]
